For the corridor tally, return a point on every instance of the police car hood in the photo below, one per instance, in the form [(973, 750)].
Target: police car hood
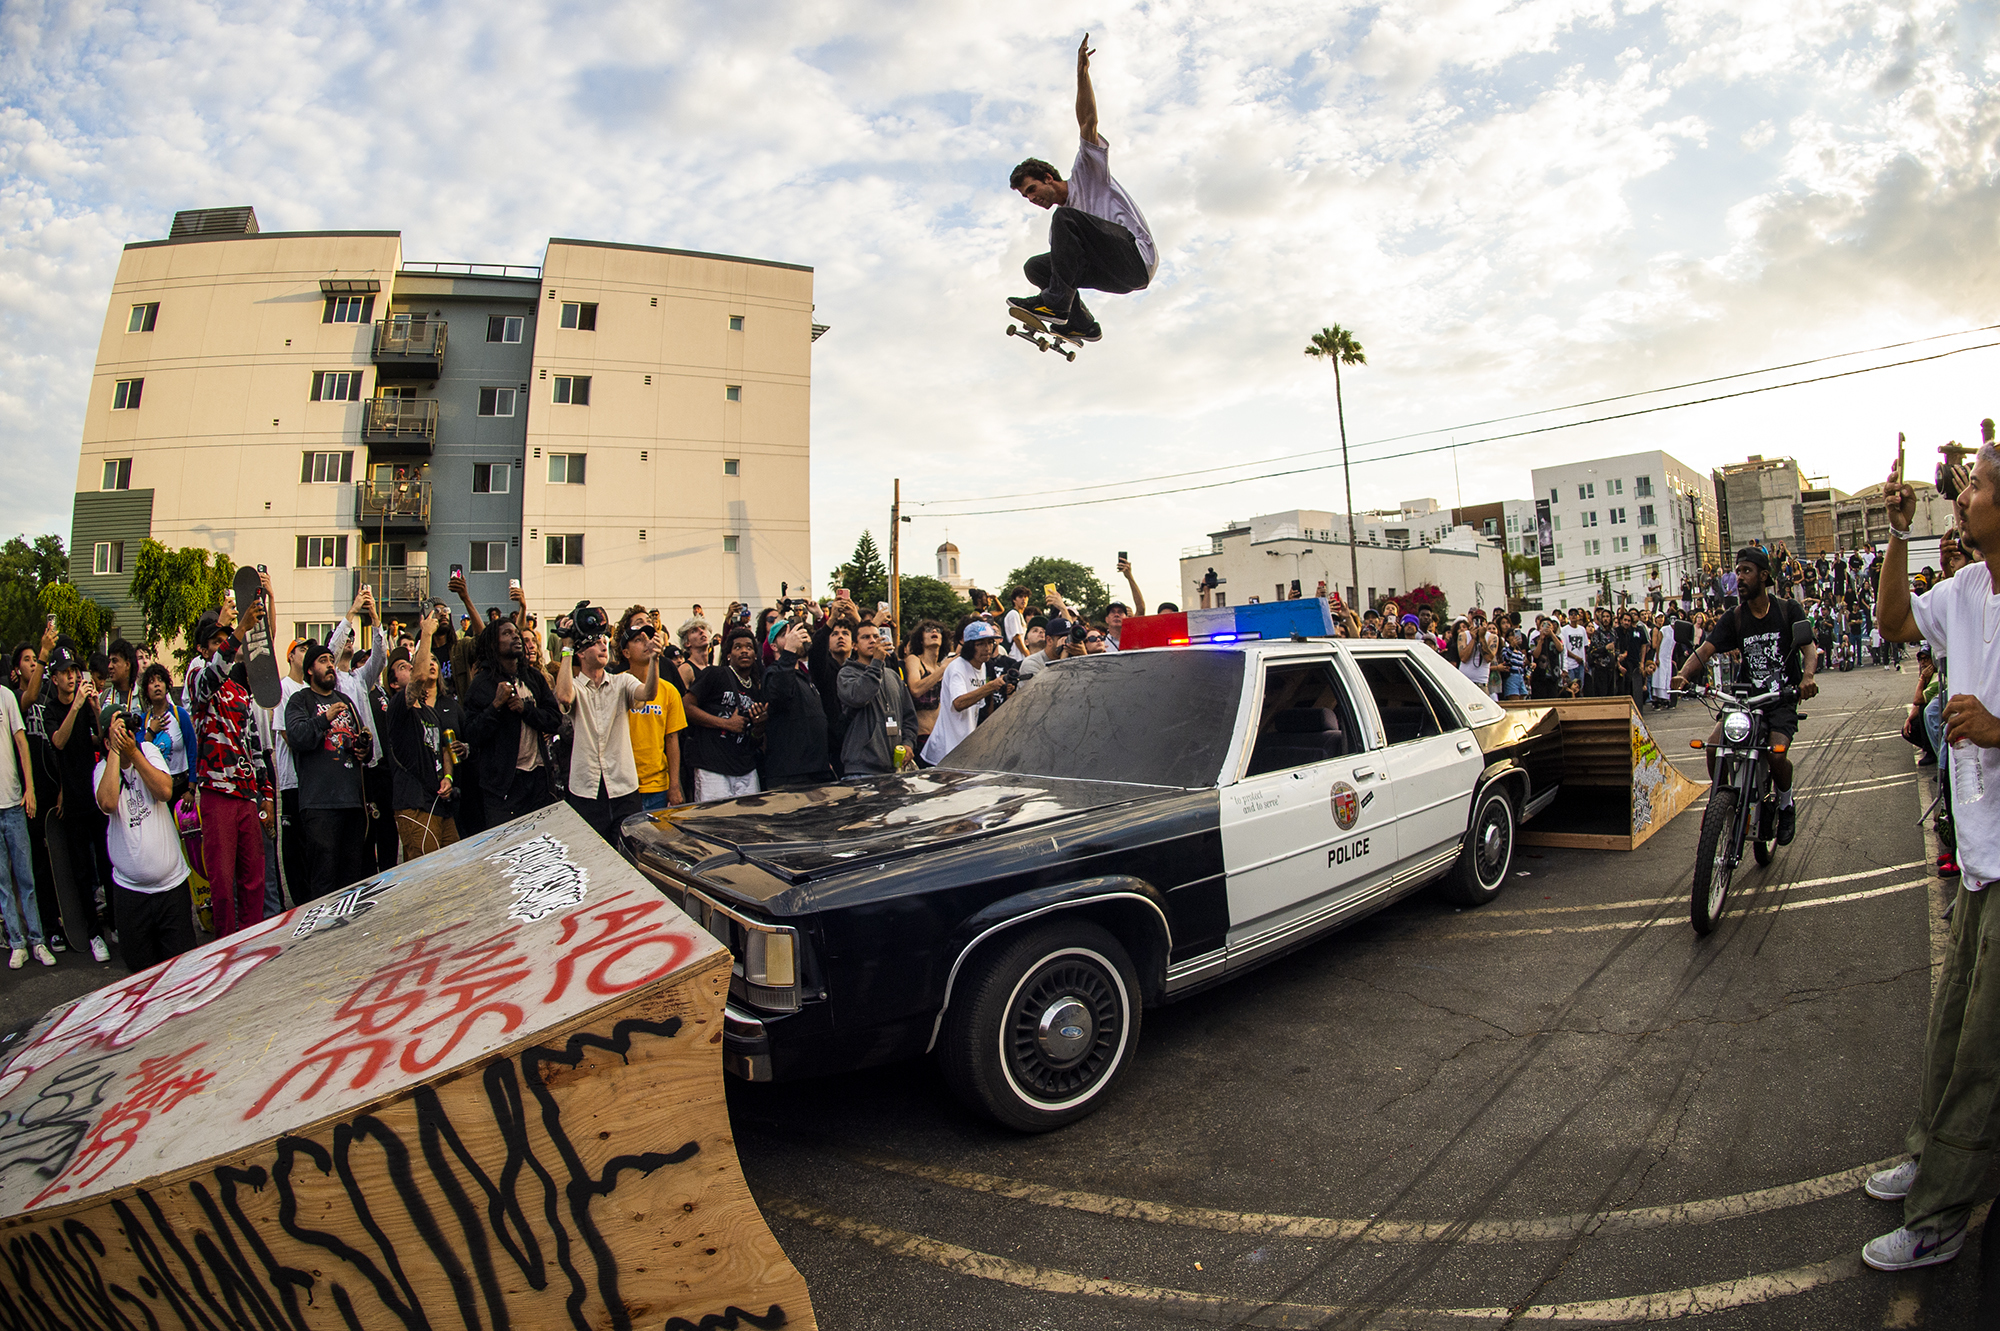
[(801, 834)]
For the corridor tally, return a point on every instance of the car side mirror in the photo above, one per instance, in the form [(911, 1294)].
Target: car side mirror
[(1802, 633)]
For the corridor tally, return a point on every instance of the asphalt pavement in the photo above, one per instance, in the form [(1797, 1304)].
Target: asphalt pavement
[(1563, 1107)]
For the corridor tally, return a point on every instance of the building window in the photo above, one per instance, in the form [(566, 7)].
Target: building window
[(1555, 495), (1559, 551), (729, 545), (580, 315), (337, 386), (1643, 487), (566, 468), (1617, 515), (322, 552), (326, 469), (735, 323), (1614, 487), (504, 327), (489, 557), (1587, 491), (348, 310), (117, 474), (107, 557), (1621, 545), (1529, 545), (732, 392), (491, 478), (565, 549), (1646, 518), (573, 389), (313, 630), (1623, 573), (1489, 527), (1590, 518), (1591, 548), (732, 466), (496, 402), (1649, 544), (1513, 524), (125, 394), (143, 318)]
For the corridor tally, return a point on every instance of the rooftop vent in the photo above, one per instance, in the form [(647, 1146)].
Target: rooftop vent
[(193, 223)]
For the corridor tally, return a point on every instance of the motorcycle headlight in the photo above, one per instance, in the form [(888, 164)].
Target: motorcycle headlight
[(1736, 727)]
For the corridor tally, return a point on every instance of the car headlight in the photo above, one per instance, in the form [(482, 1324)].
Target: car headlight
[(1736, 727)]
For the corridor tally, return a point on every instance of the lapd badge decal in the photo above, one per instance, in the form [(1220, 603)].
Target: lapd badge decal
[(1346, 805)]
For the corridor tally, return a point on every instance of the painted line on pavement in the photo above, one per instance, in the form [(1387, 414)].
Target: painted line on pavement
[(1676, 920), (1644, 903), (1653, 1307), (1532, 1229)]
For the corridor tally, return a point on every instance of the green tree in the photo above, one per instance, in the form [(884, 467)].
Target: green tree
[(76, 615), (1079, 585), (1336, 346), (34, 585), (929, 598), (173, 587), (1523, 571), (864, 574)]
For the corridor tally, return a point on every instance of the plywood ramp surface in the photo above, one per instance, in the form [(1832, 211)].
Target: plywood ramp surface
[(1617, 787), (483, 1090)]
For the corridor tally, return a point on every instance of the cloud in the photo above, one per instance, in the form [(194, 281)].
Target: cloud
[(1515, 205)]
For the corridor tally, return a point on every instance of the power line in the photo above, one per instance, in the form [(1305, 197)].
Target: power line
[(1440, 448)]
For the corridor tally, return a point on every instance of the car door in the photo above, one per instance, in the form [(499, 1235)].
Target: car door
[(1309, 822), (1432, 760)]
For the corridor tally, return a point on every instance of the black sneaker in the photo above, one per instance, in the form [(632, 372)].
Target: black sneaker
[(1788, 819), (1040, 306), (1080, 332)]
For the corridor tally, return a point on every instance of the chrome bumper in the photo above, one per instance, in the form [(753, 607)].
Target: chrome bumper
[(746, 1049)]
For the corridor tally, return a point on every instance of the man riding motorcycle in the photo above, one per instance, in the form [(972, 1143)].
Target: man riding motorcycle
[(1760, 626)]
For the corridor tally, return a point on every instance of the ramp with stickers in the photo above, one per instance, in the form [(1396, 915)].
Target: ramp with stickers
[(482, 1090), (1617, 787)]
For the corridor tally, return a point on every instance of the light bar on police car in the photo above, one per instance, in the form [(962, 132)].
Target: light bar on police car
[(1228, 623)]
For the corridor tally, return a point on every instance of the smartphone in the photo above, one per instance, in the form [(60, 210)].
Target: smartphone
[(1049, 589), (458, 570), (52, 621), (513, 584), (881, 605), (1121, 556), (1899, 455), (841, 594), (262, 569)]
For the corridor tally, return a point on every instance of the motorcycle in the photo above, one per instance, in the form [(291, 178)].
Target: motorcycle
[(1740, 791)]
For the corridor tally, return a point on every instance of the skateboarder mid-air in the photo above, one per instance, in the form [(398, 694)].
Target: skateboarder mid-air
[(1097, 236)]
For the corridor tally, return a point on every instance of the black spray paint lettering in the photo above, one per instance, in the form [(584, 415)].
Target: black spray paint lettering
[(44, 1135), (545, 878), (730, 1319), (1348, 853)]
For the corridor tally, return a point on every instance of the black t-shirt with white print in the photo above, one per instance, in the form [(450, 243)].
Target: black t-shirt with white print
[(1769, 658)]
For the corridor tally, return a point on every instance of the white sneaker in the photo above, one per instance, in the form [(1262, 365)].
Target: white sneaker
[(17, 958), (99, 952), (1904, 1249), (43, 955), (1892, 1185)]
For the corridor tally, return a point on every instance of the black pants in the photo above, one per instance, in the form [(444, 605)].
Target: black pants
[(605, 812), (340, 851), (385, 847), (1087, 251), (524, 792), (153, 926), (294, 849)]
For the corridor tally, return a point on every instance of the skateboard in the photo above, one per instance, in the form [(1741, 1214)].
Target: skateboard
[(1040, 334), (259, 665)]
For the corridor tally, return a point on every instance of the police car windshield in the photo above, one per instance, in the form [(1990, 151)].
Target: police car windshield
[(1160, 718)]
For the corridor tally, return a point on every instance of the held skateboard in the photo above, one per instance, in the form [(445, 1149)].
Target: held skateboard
[(1040, 334), (259, 665)]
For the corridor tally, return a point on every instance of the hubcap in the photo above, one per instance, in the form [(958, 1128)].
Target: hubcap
[(1493, 844), (1065, 1031)]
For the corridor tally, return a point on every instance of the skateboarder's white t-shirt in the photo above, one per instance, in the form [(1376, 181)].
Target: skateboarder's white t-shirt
[(1961, 618), (1092, 190), (140, 834), (12, 789)]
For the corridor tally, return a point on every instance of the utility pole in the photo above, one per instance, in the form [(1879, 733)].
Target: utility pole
[(896, 557)]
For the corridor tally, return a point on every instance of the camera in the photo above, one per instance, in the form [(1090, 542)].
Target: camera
[(582, 626), (1077, 628)]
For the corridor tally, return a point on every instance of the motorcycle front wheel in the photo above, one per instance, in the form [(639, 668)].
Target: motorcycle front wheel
[(1712, 870)]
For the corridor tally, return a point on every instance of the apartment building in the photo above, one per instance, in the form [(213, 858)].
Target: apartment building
[(1618, 522), (1762, 502), (1259, 558), (621, 422)]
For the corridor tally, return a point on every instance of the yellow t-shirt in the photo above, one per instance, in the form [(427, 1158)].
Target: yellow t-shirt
[(651, 723)]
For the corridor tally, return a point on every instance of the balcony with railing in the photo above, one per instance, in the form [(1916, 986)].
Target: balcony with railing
[(410, 347), (397, 586), (394, 505), (400, 424)]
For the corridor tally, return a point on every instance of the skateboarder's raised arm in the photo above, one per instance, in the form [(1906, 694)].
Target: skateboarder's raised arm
[(1086, 99)]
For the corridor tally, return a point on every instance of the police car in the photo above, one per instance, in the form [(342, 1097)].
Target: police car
[(1129, 829)]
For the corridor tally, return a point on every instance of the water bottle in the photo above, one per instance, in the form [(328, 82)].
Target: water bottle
[(1968, 774)]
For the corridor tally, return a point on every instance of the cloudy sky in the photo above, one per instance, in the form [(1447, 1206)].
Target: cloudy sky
[(1515, 206)]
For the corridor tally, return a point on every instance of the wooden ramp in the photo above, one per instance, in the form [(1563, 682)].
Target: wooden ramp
[(483, 1090), (1617, 787)]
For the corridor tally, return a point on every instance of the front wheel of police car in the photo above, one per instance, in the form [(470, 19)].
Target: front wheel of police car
[(1043, 1026), (1488, 854)]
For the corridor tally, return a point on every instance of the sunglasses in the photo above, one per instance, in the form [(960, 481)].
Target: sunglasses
[(1093, 637)]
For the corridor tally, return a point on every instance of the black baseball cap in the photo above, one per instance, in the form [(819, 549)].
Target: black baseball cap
[(1750, 554)]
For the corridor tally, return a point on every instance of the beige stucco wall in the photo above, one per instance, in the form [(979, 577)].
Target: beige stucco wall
[(655, 450), (226, 410)]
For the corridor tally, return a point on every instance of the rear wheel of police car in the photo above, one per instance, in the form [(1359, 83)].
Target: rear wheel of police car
[(1488, 852), (1043, 1026)]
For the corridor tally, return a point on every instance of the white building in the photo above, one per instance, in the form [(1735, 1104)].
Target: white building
[(1619, 521), (948, 569), (1259, 558)]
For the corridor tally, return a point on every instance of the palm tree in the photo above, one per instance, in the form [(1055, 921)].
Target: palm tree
[(1337, 346)]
